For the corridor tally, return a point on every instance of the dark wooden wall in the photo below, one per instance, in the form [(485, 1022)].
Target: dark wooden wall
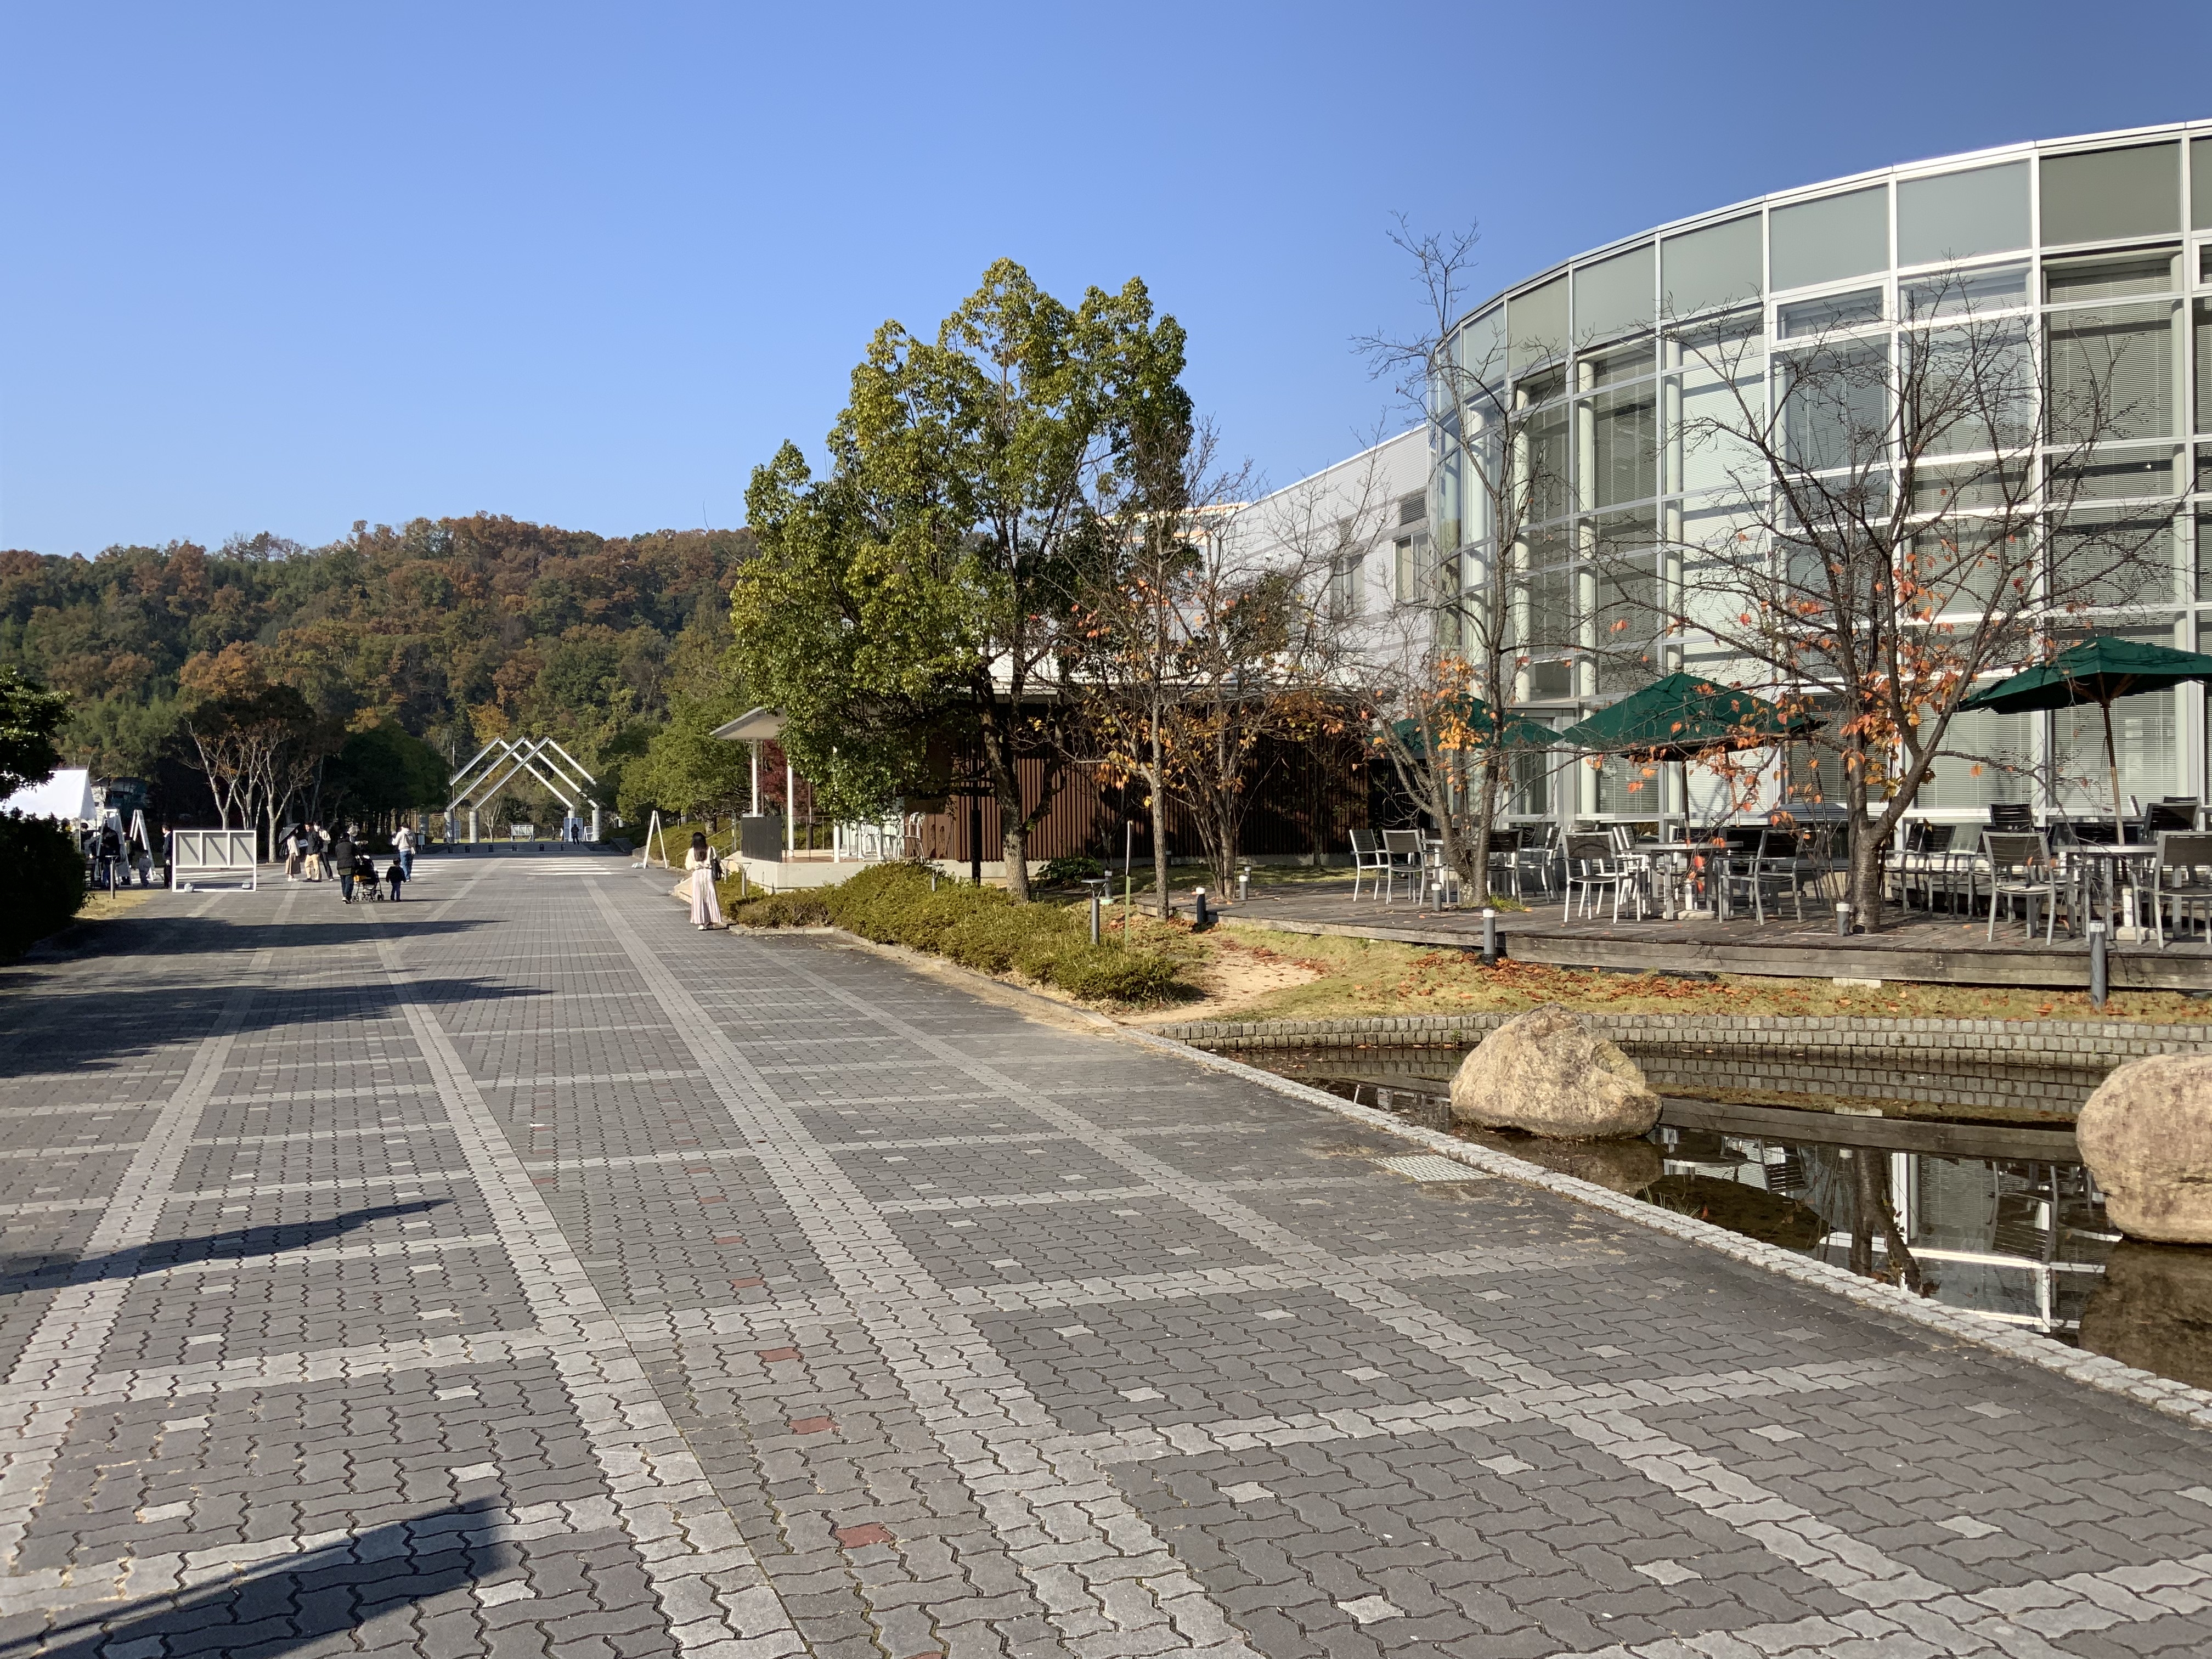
[(1306, 797)]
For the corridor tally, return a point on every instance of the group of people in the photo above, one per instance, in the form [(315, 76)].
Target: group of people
[(313, 853), (112, 857)]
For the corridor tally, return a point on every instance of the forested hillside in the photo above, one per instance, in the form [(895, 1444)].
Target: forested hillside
[(455, 630)]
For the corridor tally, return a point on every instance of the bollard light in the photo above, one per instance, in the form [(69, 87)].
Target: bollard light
[(1201, 922), (1489, 938), (2100, 968), (1843, 921)]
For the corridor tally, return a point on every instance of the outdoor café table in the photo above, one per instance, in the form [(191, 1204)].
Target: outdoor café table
[(1674, 857), (2106, 869)]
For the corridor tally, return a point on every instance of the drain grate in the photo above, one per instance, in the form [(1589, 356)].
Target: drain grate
[(1428, 1166)]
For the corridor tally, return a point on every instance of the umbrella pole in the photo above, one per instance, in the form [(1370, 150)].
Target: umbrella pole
[(2112, 767)]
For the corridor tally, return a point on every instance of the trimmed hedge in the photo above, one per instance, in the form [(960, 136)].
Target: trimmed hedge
[(978, 927), (46, 871)]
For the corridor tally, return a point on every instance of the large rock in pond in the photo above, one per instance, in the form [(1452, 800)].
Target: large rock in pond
[(2146, 1135), (1547, 1073), (2154, 1310)]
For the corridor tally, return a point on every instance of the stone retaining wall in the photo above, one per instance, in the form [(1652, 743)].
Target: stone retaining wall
[(2045, 1065)]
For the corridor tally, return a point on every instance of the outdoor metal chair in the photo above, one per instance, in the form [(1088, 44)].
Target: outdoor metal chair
[(1505, 861), (2020, 868), (2181, 878), (1537, 857), (1593, 867), (1369, 861), (1404, 858), (2013, 817), (2163, 817), (1933, 863), (1770, 866)]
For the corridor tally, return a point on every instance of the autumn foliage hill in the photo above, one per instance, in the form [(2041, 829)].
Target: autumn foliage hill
[(456, 629)]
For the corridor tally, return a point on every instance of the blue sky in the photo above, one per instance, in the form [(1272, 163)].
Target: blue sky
[(286, 267)]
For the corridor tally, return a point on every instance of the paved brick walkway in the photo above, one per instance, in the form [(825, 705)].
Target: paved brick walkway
[(517, 1271)]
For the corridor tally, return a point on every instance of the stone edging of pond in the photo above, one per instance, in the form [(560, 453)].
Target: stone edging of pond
[(2079, 1043), (2176, 1400)]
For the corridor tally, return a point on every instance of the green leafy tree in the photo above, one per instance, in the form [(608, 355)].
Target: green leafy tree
[(382, 770), (682, 768), (925, 583), (30, 716), (686, 771)]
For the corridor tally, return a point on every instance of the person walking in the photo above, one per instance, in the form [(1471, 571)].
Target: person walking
[(111, 857), (403, 847), (341, 856), (311, 835), (706, 869), (295, 852), (397, 875)]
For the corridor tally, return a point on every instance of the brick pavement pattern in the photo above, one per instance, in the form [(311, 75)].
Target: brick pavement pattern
[(517, 1271)]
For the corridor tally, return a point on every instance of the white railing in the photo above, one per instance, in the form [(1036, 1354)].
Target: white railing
[(896, 835)]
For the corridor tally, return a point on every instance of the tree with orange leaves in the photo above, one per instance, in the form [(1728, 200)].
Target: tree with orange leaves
[(1915, 504)]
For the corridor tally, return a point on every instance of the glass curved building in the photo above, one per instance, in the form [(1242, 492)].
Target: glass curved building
[(2101, 247)]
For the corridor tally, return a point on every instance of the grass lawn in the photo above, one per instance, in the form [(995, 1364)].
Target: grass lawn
[(1246, 973), (1350, 978)]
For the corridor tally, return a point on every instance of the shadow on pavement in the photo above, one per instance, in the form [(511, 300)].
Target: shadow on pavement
[(20, 1274), (280, 1606), (98, 1026), (169, 934)]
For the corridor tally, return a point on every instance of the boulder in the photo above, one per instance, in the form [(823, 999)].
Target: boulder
[(2146, 1135), (1547, 1073), (2154, 1310)]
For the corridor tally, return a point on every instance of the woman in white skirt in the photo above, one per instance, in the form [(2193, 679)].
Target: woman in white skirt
[(706, 911)]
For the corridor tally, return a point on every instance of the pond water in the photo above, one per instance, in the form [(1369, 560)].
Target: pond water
[(1996, 1219)]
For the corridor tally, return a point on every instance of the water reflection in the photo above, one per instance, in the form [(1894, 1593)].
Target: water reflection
[(2022, 1240)]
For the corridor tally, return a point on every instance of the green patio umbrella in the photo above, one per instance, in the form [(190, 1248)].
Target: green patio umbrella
[(2100, 670), (1517, 731), (1679, 717)]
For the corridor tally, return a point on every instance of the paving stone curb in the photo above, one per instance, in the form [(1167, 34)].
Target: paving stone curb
[(2176, 1400), (2077, 1042), (2172, 1399)]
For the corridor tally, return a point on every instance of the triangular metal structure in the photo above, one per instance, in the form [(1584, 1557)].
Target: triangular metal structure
[(652, 833), (500, 762)]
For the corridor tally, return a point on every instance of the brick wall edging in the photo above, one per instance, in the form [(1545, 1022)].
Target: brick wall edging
[(2080, 1042)]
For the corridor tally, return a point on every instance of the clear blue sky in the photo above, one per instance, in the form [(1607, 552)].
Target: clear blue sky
[(285, 267)]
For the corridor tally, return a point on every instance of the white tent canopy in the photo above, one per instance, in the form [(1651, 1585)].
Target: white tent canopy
[(67, 795), (754, 725)]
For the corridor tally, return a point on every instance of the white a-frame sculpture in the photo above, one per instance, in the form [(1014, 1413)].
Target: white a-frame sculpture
[(503, 759)]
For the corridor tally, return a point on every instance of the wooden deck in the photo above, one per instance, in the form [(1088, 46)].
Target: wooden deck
[(1912, 945)]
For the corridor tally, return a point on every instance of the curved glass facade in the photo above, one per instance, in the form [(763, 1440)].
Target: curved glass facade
[(2101, 247)]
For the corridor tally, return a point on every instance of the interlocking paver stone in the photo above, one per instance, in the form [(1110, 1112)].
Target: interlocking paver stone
[(519, 1271)]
